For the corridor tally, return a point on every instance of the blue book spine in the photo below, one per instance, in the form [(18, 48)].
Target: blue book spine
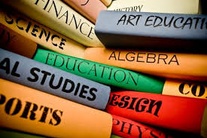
[(145, 30), (31, 73)]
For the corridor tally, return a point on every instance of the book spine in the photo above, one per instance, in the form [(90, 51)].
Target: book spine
[(107, 2), (128, 128), (14, 42), (48, 115), (162, 6), (185, 88), (40, 34), (102, 73), (89, 9), (58, 16), (46, 78), (170, 112), (147, 29), (164, 64)]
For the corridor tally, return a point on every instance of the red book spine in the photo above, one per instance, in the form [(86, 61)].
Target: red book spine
[(127, 128), (171, 112)]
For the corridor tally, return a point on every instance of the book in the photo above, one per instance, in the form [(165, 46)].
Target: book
[(48, 115), (38, 33), (185, 88), (121, 77), (163, 31), (51, 80), (128, 128), (169, 112), (12, 41), (160, 6), (107, 2), (185, 66), (89, 9), (58, 16), (102, 73)]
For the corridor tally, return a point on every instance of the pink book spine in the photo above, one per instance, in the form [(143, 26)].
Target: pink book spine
[(89, 9)]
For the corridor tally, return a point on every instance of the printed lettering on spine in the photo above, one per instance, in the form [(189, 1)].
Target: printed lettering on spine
[(39, 33), (46, 78), (161, 6), (170, 112), (58, 16), (29, 110), (102, 73), (152, 30), (128, 128), (185, 88), (163, 64)]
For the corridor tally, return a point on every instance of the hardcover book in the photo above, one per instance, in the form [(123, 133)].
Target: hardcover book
[(51, 80), (39, 33), (160, 6), (121, 77), (30, 110), (128, 128), (177, 65), (169, 112), (58, 16), (163, 31)]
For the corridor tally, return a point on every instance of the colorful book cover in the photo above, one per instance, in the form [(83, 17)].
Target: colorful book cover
[(39, 33), (26, 109), (147, 30), (169, 112), (128, 128), (177, 65)]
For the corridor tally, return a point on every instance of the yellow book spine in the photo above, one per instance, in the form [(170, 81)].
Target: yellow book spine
[(29, 110), (58, 16), (163, 64), (40, 34), (164, 6)]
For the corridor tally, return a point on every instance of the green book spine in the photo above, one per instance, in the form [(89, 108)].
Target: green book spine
[(9, 133), (102, 73)]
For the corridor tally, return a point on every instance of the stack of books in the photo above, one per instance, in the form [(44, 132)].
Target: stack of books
[(103, 68)]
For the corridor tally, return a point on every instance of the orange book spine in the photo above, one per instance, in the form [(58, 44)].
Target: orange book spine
[(25, 109), (164, 64), (185, 88), (14, 42), (128, 128), (89, 9), (170, 112), (39, 33)]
